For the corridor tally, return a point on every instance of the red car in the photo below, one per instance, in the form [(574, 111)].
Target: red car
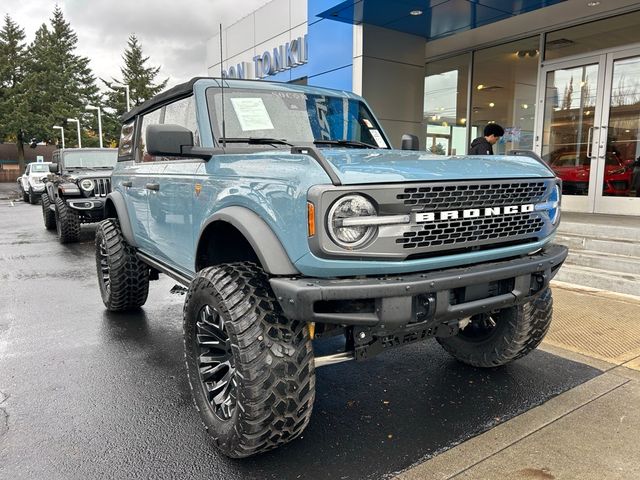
[(574, 171)]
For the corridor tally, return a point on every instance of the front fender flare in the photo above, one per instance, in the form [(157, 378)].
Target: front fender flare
[(116, 201), (270, 252)]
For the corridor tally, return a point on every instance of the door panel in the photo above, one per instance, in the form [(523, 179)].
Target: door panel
[(590, 130), (136, 197), (619, 148), (570, 129), (170, 213)]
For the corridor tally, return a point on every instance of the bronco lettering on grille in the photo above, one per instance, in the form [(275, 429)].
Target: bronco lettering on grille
[(425, 217)]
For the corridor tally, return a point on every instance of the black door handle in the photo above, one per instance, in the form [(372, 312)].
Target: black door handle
[(152, 186), (126, 184)]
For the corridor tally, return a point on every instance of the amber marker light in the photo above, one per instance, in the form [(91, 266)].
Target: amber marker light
[(311, 218)]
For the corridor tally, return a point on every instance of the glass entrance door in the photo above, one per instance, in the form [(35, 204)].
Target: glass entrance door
[(618, 175), (589, 131), (570, 121)]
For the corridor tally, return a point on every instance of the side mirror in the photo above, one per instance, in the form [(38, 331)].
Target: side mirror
[(168, 140), (53, 168), (410, 142)]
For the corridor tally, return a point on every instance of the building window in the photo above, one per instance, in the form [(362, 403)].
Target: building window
[(586, 38), (504, 92), (445, 105)]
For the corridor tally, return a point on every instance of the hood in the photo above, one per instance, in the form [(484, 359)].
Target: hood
[(384, 166)]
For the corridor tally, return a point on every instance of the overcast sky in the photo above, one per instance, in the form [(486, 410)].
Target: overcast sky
[(172, 32)]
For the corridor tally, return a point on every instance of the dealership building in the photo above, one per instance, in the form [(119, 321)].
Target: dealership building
[(561, 76)]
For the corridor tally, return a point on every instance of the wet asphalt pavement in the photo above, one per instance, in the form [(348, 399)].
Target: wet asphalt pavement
[(89, 394)]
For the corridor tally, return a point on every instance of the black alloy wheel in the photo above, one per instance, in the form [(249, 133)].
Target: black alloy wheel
[(215, 362)]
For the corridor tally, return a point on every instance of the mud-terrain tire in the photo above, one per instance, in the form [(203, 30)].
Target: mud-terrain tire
[(251, 370), (67, 222), (48, 215), (517, 331), (32, 197), (122, 277)]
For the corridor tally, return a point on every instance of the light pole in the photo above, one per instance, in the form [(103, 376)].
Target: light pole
[(126, 88), (78, 127), (92, 107), (57, 127)]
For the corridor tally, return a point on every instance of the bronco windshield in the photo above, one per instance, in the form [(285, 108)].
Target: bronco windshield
[(90, 159), (293, 116)]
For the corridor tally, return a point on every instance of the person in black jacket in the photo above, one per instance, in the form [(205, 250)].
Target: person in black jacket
[(484, 145)]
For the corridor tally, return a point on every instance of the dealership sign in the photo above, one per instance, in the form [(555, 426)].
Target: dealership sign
[(283, 57)]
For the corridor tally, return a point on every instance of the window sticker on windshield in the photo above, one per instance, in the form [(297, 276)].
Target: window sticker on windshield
[(367, 123), (378, 138), (252, 114)]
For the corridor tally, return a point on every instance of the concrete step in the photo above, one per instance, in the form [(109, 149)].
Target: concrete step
[(599, 230), (604, 261), (617, 246), (628, 283)]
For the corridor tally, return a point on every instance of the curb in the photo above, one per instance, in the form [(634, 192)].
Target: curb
[(596, 291)]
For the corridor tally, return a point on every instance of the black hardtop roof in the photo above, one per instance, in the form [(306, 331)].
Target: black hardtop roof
[(181, 90), (186, 89)]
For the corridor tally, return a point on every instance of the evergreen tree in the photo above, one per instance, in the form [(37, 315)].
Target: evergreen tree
[(13, 109), (139, 77), (60, 83)]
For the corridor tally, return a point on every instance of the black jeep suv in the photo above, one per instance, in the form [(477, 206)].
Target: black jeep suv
[(76, 188)]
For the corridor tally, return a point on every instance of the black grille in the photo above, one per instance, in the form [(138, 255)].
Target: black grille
[(474, 231), (446, 197), (103, 187)]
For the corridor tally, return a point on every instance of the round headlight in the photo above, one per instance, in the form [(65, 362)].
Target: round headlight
[(87, 184), (350, 207)]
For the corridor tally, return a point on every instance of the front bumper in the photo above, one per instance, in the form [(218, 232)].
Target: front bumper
[(438, 296)]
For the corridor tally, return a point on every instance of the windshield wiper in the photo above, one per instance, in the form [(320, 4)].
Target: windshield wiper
[(348, 143), (255, 140)]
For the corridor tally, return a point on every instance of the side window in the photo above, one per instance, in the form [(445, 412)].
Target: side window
[(125, 148), (183, 113), (151, 118)]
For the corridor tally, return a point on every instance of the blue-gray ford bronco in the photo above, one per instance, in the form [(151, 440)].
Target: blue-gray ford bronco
[(289, 217)]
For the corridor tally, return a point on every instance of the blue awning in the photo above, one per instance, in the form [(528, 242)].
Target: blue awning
[(431, 19)]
